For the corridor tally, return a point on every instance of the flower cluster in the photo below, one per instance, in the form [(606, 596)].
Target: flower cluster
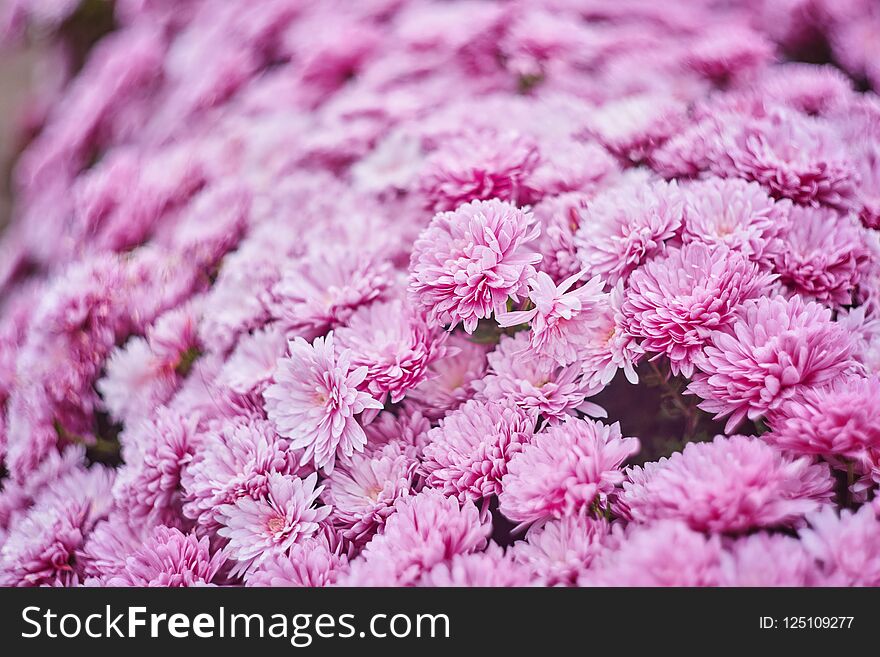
[(434, 293)]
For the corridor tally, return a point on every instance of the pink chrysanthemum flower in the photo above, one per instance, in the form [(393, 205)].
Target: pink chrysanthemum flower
[(425, 530), (666, 553), (273, 523), (408, 427), (448, 384), (395, 344), (724, 54), (156, 453), (235, 460), (251, 365), (847, 546), (560, 317), (825, 256), (767, 560), (793, 156), (171, 559), (838, 420), (729, 485), (814, 90), (570, 167), (321, 291), (737, 214), (491, 568), (469, 262), (568, 467), (314, 399), (535, 383), (365, 487), (675, 302), (559, 218), (467, 455), (626, 225), (632, 127), (311, 563), (476, 167), (560, 551), (775, 349), (608, 346)]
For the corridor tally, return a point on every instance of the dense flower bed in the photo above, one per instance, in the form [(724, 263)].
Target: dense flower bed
[(424, 292)]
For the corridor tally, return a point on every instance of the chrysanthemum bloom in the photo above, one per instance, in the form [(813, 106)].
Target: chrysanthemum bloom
[(321, 291), (570, 167), (364, 488), (156, 452), (729, 485), (477, 167), (314, 399), (408, 427), (775, 350), (724, 54), (634, 126), (560, 551), (425, 529), (608, 346), (235, 460), (811, 89), (469, 262), (467, 455), (311, 563), (565, 468), (560, 317), (737, 214), (847, 546), (395, 344), (535, 383), (171, 559), (767, 560), (492, 567), (825, 256), (251, 365), (675, 302), (793, 156), (273, 523), (449, 379), (559, 218), (837, 420), (626, 225), (667, 553)]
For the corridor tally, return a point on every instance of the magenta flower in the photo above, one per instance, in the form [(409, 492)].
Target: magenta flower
[(478, 166), (273, 523), (311, 563), (568, 467), (626, 225), (468, 263), (365, 487), (560, 317), (846, 546), (170, 558), (825, 257), (251, 365), (314, 399), (737, 214), (775, 350), (395, 344), (468, 454), (560, 551), (674, 303), (729, 485), (837, 420), (425, 530)]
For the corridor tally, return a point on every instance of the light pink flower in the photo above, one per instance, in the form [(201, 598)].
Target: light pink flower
[(311, 563), (608, 346), (775, 350), (565, 468), (469, 262), (846, 545), (467, 455), (767, 560), (272, 524), (314, 399), (675, 302), (729, 485), (493, 567)]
